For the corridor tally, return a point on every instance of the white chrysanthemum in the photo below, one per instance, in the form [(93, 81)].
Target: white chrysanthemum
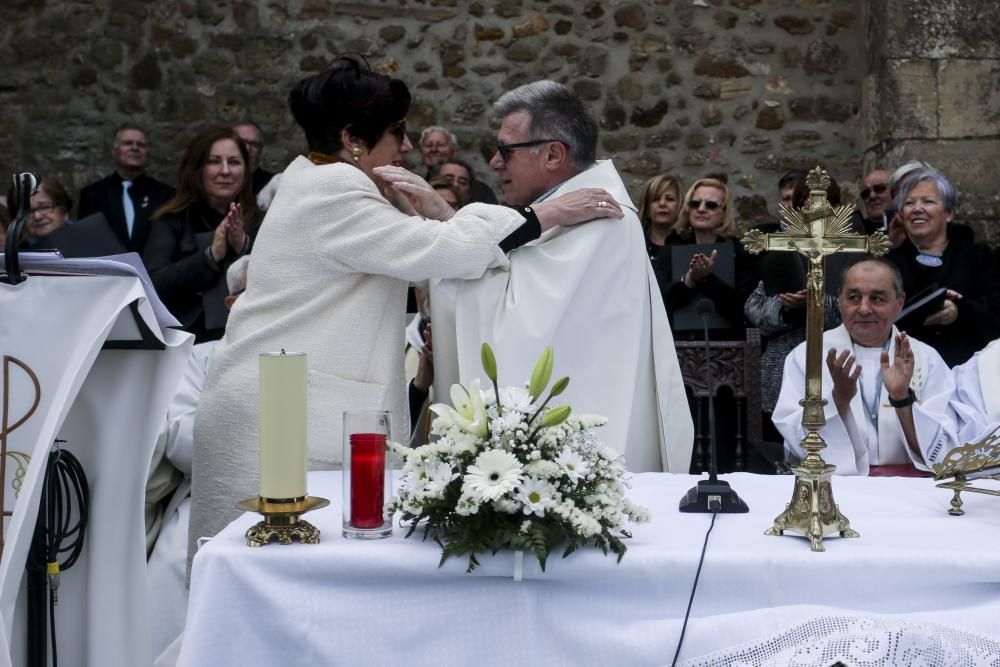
[(535, 494), (573, 465), (510, 421), (543, 468), (437, 477), (493, 474), (515, 398)]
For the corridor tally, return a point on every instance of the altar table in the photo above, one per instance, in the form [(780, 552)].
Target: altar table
[(916, 572)]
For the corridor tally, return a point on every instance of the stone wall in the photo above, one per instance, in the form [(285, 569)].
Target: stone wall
[(933, 93), (749, 88)]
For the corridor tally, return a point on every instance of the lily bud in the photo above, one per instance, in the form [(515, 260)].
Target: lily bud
[(541, 374), (560, 386), (489, 362), (555, 416)]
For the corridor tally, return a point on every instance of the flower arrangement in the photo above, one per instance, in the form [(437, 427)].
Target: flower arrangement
[(509, 472)]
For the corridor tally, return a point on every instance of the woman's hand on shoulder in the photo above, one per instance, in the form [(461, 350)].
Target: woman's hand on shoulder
[(411, 194), (576, 207)]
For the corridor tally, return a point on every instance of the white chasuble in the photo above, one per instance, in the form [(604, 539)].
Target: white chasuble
[(865, 437), (977, 393), (589, 292)]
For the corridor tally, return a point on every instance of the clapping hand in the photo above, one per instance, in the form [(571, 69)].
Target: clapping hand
[(236, 235), (793, 300), (844, 371), (896, 378), (700, 267)]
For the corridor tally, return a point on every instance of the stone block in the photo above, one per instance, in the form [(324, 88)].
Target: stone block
[(711, 115), (909, 99), (533, 25), (632, 16), (651, 116), (644, 163), (823, 57), (620, 143), (770, 118), (950, 28), (969, 98), (794, 25)]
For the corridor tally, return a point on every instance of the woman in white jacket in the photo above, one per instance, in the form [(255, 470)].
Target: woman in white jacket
[(348, 229)]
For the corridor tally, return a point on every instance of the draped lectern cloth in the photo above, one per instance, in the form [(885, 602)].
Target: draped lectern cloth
[(109, 406), (589, 292)]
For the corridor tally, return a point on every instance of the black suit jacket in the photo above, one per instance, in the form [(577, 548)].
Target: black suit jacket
[(105, 196)]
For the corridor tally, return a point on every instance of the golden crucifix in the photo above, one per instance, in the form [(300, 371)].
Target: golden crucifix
[(815, 231)]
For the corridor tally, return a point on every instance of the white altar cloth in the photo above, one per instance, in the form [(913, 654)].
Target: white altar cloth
[(346, 602)]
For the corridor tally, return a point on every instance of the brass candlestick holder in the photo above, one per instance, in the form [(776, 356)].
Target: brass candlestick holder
[(973, 461), (815, 231), (281, 520)]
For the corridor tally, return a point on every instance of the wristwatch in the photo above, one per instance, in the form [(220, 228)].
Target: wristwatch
[(903, 402)]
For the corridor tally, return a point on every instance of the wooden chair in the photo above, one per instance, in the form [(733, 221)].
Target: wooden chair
[(736, 365)]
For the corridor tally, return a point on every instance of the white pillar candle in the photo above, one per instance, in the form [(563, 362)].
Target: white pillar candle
[(283, 425)]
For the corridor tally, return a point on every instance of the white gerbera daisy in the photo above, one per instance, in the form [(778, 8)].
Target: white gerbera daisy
[(492, 475), (535, 494), (573, 465)]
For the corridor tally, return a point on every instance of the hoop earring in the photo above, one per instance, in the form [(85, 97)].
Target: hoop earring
[(355, 153)]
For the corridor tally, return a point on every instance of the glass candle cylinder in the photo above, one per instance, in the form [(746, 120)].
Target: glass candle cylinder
[(367, 474), (283, 416)]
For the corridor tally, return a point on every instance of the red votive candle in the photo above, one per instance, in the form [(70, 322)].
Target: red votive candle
[(367, 479)]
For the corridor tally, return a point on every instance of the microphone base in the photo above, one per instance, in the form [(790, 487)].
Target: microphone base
[(709, 496)]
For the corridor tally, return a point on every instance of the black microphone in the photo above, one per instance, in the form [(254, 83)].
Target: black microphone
[(711, 495)]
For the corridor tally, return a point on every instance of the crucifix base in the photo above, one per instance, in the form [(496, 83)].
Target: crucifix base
[(812, 512)]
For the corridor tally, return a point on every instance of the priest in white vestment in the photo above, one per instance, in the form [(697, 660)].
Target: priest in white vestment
[(882, 418), (977, 394), (589, 293)]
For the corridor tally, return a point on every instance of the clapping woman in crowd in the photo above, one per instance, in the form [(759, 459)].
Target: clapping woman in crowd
[(348, 229), (208, 224), (706, 218)]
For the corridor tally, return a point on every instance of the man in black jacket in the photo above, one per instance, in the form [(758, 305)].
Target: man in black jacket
[(128, 197)]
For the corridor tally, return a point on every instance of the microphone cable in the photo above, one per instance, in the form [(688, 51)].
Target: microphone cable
[(63, 513), (697, 575)]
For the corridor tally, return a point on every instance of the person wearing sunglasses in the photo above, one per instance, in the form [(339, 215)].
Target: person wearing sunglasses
[(706, 218), (348, 230), (877, 201), (588, 292)]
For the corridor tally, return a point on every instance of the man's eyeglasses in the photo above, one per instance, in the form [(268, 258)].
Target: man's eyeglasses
[(506, 150), (877, 189), (695, 204)]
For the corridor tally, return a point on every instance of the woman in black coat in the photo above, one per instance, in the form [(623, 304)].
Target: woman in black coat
[(208, 224)]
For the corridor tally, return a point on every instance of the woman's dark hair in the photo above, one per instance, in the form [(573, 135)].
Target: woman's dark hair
[(348, 95), (189, 186)]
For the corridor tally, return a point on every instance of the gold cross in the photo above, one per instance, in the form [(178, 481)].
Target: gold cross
[(815, 231)]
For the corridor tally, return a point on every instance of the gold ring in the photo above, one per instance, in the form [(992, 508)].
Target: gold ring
[(602, 203)]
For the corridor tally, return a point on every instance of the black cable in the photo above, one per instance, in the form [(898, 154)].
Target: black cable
[(701, 561), (57, 532)]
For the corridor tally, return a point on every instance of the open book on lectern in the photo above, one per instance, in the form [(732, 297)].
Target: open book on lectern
[(129, 331)]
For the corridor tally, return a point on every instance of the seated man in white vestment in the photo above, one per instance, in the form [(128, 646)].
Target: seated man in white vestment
[(171, 502), (977, 394), (887, 410), (589, 293)]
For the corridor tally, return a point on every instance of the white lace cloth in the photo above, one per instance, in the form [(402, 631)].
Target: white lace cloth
[(860, 641)]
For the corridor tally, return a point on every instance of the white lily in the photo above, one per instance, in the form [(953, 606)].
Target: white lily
[(469, 412)]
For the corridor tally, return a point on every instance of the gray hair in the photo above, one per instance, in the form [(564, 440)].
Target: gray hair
[(556, 113), (437, 128), (948, 191), (128, 126), (897, 277), (236, 275), (904, 172)]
